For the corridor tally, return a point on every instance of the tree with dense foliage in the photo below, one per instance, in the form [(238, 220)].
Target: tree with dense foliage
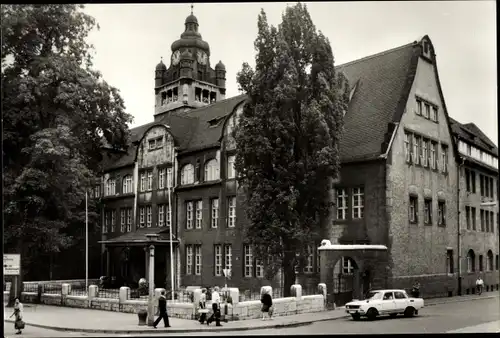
[(287, 139), (57, 114)]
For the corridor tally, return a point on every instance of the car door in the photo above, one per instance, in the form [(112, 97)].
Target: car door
[(388, 304), (400, 300)]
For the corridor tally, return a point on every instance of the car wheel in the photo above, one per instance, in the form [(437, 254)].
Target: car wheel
[(409, 312), (393, 315), (371, 314), (356, 316)]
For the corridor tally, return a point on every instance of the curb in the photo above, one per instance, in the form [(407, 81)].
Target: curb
[(217, 329)]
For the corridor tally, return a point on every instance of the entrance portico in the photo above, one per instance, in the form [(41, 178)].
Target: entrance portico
[(359, 270)]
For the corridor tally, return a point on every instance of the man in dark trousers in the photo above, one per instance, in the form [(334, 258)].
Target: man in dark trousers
[(162, 307)]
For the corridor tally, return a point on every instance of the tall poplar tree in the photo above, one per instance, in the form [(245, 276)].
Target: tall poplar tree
[(287, 139)]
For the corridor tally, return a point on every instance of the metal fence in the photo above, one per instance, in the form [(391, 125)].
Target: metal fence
[(52, 288), (254, 294), (109, 293), (31, 287)]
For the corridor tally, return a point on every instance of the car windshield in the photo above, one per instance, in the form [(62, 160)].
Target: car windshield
[(374, 295)]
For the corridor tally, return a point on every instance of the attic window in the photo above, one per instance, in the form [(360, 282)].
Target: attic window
[(155, 143)]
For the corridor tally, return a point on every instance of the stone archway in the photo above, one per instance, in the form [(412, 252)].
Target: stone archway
[(358, 254)]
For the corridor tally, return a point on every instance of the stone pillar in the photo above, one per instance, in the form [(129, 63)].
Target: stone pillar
[(296, 291), (124, 293), (322, 290), (196, 297), (93, 291), (235, 295)]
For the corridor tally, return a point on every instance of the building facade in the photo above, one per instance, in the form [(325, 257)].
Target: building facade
[(397, 184)]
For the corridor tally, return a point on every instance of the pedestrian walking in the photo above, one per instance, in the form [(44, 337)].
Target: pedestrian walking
[(215, 308), (479, 285), (162, 307), (415, 291), (203, 306), (18, 313), (267, 304)]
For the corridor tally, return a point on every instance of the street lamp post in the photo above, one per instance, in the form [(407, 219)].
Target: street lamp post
[(151, 316)]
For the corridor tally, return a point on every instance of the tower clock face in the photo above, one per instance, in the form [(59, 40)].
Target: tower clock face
[(202, 57), (176, 57)]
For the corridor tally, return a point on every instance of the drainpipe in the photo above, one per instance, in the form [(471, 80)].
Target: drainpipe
[(458, 230)]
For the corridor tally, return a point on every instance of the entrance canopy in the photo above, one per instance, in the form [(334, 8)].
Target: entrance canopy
[(138, 237)]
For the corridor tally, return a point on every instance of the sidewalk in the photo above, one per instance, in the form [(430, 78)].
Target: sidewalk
[(96, 321)]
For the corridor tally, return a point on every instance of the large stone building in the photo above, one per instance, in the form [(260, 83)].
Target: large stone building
[(398, 182)]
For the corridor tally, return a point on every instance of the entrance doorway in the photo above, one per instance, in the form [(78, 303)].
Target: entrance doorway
[(344, 280)]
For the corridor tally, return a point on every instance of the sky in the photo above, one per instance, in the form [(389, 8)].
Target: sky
[(133, 38)]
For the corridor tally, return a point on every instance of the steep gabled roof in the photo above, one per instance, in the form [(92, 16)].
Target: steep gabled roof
[(381, 80), (471, 133)]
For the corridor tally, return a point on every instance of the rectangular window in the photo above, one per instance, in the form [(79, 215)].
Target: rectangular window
[(143, 181), (150, 180), (449, 261), (169, 178), (214, 214), (199, 214), (161, 178), (259, 269), (107, 219), (427, 111), (419, 107), (481, 184), (441, 213), (228, 256), (129, 219), (189, 215), (487, 221), (97, 191), (341, 203), (481, 266), (248, 261), (348, 267), (197, 263), (492, 181), (152, 144), (110, 187), (467, 217), (122, 220), (425, 152), (434, 114), (218, 259), (434, 164), (231, 172), (161, 215), (486, 186), (113, 220), (428, 211), (492, 222), (127, 186), (168, 215), (444, 157), (467, 180), (149, 212), (473, 217), (231, 212), (308, 267), (408, 147), (142, 217), (473, 181), (189, 259), (469, 150), (413, 209), (358, 202), (481, 213), (416, 149)]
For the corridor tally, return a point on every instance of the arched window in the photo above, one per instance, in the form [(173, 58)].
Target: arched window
[(212, 170), (127, 184), (187, 174), (471, 261), (489, 261)]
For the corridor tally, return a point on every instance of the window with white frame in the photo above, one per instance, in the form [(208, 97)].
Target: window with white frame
[(212, 170), (433, 156), (122, 220), (228, 256), (143, 181), (434, 114), (169, 178), (214, 215), (248, 261), (168, 215), (127, 185), (218, 260), (189, 259), (161, 178), (189, 215), (110, 187), (197, 263), (161, 215), (427, 111), (259, 268), (150, 180), (113, 220), (341, 203), (413, 209), (231, 172), (408, 147), (444, 157), (199, 214), (425, 152), (231, 212), (187, 174), (419, 107), (107, 220), (129, 219), (142, 217), (416, 149), (347, 265), (149, 212), (358, 202), (97, 191), (308, 267)]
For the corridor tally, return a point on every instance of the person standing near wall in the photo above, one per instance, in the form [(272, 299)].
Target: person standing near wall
[(215, 307)]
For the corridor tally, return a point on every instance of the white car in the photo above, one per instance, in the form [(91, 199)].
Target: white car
[(384, 302)]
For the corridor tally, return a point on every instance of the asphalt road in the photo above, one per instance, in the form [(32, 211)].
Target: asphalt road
[(472, 316)]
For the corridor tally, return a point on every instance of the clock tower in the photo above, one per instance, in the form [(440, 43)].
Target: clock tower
[(189, 82)]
